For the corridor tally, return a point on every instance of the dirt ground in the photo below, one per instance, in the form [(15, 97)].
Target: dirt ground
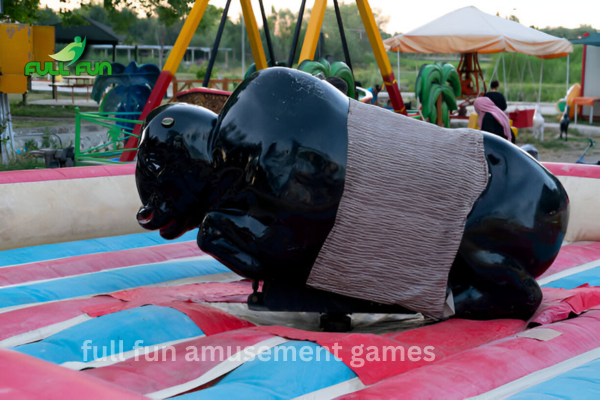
[(553, 149)]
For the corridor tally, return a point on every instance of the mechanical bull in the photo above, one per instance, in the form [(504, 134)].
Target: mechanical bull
[(342, 207)]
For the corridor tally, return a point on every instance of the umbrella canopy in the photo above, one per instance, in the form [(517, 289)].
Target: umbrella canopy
[(469, 30), (593, 39)]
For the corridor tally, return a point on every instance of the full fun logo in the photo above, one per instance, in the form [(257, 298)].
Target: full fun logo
[(69, 55)]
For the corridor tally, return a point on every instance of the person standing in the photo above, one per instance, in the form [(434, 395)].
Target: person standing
[(375, 90), (496, 96), (492, 119)]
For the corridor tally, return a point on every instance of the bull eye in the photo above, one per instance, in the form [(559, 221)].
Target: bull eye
[(167, 122)]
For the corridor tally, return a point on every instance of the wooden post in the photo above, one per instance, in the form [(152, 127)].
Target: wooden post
[(175, 91)]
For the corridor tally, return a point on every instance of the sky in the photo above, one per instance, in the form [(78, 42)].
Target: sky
[(406, 15)]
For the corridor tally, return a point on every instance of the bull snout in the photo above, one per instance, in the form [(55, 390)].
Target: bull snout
[(144, 216)]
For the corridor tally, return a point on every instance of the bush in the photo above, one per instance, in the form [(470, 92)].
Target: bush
[(201, 71)]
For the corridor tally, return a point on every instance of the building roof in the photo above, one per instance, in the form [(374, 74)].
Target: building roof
[(593, 39), (95, 33)]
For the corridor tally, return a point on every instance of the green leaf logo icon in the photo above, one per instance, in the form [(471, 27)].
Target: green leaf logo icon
[(70, 53)]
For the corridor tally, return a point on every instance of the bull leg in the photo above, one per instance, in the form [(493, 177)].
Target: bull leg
[(233, 238), (490, 285)]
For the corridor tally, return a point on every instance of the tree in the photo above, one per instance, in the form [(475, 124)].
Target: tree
[(46, 16), (169, 12), (23, 11)]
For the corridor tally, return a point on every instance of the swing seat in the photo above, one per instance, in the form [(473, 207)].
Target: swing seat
[(522, 118)]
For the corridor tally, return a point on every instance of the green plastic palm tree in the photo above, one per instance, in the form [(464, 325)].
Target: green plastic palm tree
[(438, 84), (338, 69)]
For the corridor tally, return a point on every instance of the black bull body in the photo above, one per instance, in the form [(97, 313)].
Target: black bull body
[(264, 178)]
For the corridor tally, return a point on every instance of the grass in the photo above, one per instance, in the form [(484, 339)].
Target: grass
[(580, 120), (22, 161), (35, 123), (576, 143), (39, 111)]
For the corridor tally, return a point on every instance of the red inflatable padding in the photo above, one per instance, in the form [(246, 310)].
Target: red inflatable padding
[(90, 263), (457, 335), (578, 170), (154, 372), (213, 292), (560, 304), (57, 174), (484, 368), (436, 342), (209, 319), (26, 377), (217, 292), (573, 255), (28, 319)]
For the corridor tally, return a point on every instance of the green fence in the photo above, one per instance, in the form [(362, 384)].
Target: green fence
[(108, 152)]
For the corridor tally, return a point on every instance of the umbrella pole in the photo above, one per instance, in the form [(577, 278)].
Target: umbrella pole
[(495, 69), (541, 76), (399, 69), (568, 64), (504, 72), (521, 81)]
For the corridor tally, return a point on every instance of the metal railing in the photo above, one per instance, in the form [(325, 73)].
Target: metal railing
[(221, 84), (119, 131)]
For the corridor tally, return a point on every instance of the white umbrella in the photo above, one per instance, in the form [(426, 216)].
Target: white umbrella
[(469, 30)]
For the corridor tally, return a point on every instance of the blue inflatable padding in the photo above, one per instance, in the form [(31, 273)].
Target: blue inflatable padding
[(114, 334), (580, 383), (107, 281), (591, 276), (279, 379), (83, 247)]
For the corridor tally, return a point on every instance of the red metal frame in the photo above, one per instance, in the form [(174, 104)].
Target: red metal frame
[(470, 74), (583, 78), (158, 93)]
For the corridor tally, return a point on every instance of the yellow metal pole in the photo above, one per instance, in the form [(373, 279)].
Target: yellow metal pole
[(374, 37), (383, 61), (258, 52), (167, 74), (311, 39), (185, 36)]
